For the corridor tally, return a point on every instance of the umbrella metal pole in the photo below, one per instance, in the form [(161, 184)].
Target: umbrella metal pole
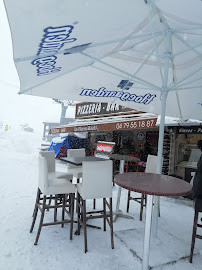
[(167, 57), (159, 161), (147, 233), (159, 164)]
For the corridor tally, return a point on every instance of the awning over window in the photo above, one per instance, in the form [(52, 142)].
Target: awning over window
[(115, 123)]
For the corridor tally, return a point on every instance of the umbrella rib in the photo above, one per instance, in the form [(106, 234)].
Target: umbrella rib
[(189, 33), (122, 71), (178, 102), (138, 28), (187, 45), (125, 57), (62, 74), (184, 51), (142, 52), (178, 19), (130, 47), (172, 64), (191, 87), (181, 85), (92, 45), (143, 63), (114, 53), (138, 43), (185, 78), (22, 59), (193, 49), (154, 39), (110, 72), (88, 63)]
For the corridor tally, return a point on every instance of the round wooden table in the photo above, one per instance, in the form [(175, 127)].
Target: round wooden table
[(153, 184)]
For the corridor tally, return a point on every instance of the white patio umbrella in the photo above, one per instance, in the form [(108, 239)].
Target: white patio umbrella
[(143, 54)]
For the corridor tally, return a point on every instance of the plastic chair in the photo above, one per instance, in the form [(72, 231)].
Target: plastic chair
[(129, 164), (198, 209), (151, 167), (52, 186), (96, 183)]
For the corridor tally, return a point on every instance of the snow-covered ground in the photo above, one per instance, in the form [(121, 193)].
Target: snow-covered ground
[(18, 168)]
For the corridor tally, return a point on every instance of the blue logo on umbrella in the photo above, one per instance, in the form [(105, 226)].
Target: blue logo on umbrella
[(125, 84)]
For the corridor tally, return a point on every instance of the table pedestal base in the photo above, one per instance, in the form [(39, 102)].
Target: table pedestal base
[(120, 214), (88, 225)]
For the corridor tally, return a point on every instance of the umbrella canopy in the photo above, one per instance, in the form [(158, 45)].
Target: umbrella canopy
[(142, 54), (126, 52)]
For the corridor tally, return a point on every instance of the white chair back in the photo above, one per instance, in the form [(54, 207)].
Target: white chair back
[(50, 157), (151, 166), (43, 174), (75, 153), (97, 179)]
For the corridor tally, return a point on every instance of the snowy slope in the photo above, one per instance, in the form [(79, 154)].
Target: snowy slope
[(18, 170)]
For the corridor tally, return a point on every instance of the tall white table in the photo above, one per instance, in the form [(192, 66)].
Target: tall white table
[(123, 159)]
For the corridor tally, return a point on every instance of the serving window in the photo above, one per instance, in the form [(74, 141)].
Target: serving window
[(187, 155), (188, 151)]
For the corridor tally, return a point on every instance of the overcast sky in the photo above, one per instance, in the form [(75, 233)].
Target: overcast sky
[(19, 109), (7, 69)]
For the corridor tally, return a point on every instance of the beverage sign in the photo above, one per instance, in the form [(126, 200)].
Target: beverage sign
[(89, 109), (104, 148)]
